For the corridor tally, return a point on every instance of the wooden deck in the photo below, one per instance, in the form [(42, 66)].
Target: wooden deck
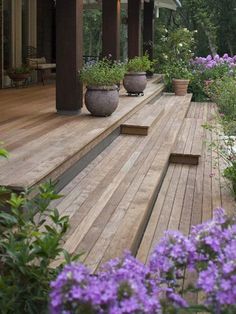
[(43, 144), (130, 192), (189, 193)]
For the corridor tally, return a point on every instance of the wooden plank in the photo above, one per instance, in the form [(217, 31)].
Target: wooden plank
[(174, 222), (130, 231), (142, 121), (145, 246), (188, 147)]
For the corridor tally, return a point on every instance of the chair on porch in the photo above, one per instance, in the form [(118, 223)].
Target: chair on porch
[(41, 65)]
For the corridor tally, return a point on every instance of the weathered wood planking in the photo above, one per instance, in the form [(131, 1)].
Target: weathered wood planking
[(188, 148), (43, 144), (143, 120), (197, 191)]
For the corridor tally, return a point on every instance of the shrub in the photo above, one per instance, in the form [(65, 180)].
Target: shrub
[(102, 73), (31, 238), (139, 64), (174, 46), (223, 92)]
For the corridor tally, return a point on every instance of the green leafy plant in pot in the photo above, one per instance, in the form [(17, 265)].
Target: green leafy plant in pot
[(179, 75), (101, 79), (135, 80), (19, 74)]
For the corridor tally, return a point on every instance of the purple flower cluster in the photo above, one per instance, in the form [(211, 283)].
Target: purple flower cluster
[(210, 250), (210, 62), (215, 261), (125, 285), (122, 286), (171, 256)]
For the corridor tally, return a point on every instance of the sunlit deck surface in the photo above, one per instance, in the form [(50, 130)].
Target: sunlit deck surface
[(130, 192), (43, 144)]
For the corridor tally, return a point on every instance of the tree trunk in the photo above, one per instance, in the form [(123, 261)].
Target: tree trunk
[(211, 41)]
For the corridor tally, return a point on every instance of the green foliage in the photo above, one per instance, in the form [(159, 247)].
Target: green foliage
[(174, 46), (223, 92), (230, 174), (31, 238), (24, 69), (139, 64), (216, 73), (102, 73), (3, 152), (197, 87)]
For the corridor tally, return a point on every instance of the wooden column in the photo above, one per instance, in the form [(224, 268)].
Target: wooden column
[(134, 28), (1, 44), (148, 28), (69, 55), (111, 28)]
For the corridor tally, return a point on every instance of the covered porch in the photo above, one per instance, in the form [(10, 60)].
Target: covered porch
[(59, 37)]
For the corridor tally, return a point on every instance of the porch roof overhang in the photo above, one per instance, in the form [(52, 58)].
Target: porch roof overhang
[(169, 4)]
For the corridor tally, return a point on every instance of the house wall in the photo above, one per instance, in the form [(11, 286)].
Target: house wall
[(46, 29)]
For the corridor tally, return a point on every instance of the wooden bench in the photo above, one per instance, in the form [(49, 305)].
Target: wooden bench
[(110, 202), (188, 147), (143, 120), (41, 65)]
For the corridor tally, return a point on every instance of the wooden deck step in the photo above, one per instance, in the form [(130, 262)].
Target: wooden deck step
[(44, 145), (143, 120), (188, 147), (188, 195), (110, 201)]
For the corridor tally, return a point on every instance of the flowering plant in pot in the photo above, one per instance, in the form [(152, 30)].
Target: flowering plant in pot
[(180, 76), (135, 80), (101, 79)]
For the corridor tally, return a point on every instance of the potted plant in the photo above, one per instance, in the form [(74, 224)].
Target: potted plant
[(19, 74), (179, 74), (101, 79), (135, 80)]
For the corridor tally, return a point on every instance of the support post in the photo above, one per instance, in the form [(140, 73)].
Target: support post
[(148, 28), (69, 56), (134, 28), (1, 44), (111, 29)]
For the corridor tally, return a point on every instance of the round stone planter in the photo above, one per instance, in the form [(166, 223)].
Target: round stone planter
[(180, 87), (102, 101), (135, 82)]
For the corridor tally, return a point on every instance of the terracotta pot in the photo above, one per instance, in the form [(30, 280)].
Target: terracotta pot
[(19, 77), (135, 82), (180, 87), (102, 101)]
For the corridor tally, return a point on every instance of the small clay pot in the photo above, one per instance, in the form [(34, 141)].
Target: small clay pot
[(135, 82), (102, 101), (180, 87)]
